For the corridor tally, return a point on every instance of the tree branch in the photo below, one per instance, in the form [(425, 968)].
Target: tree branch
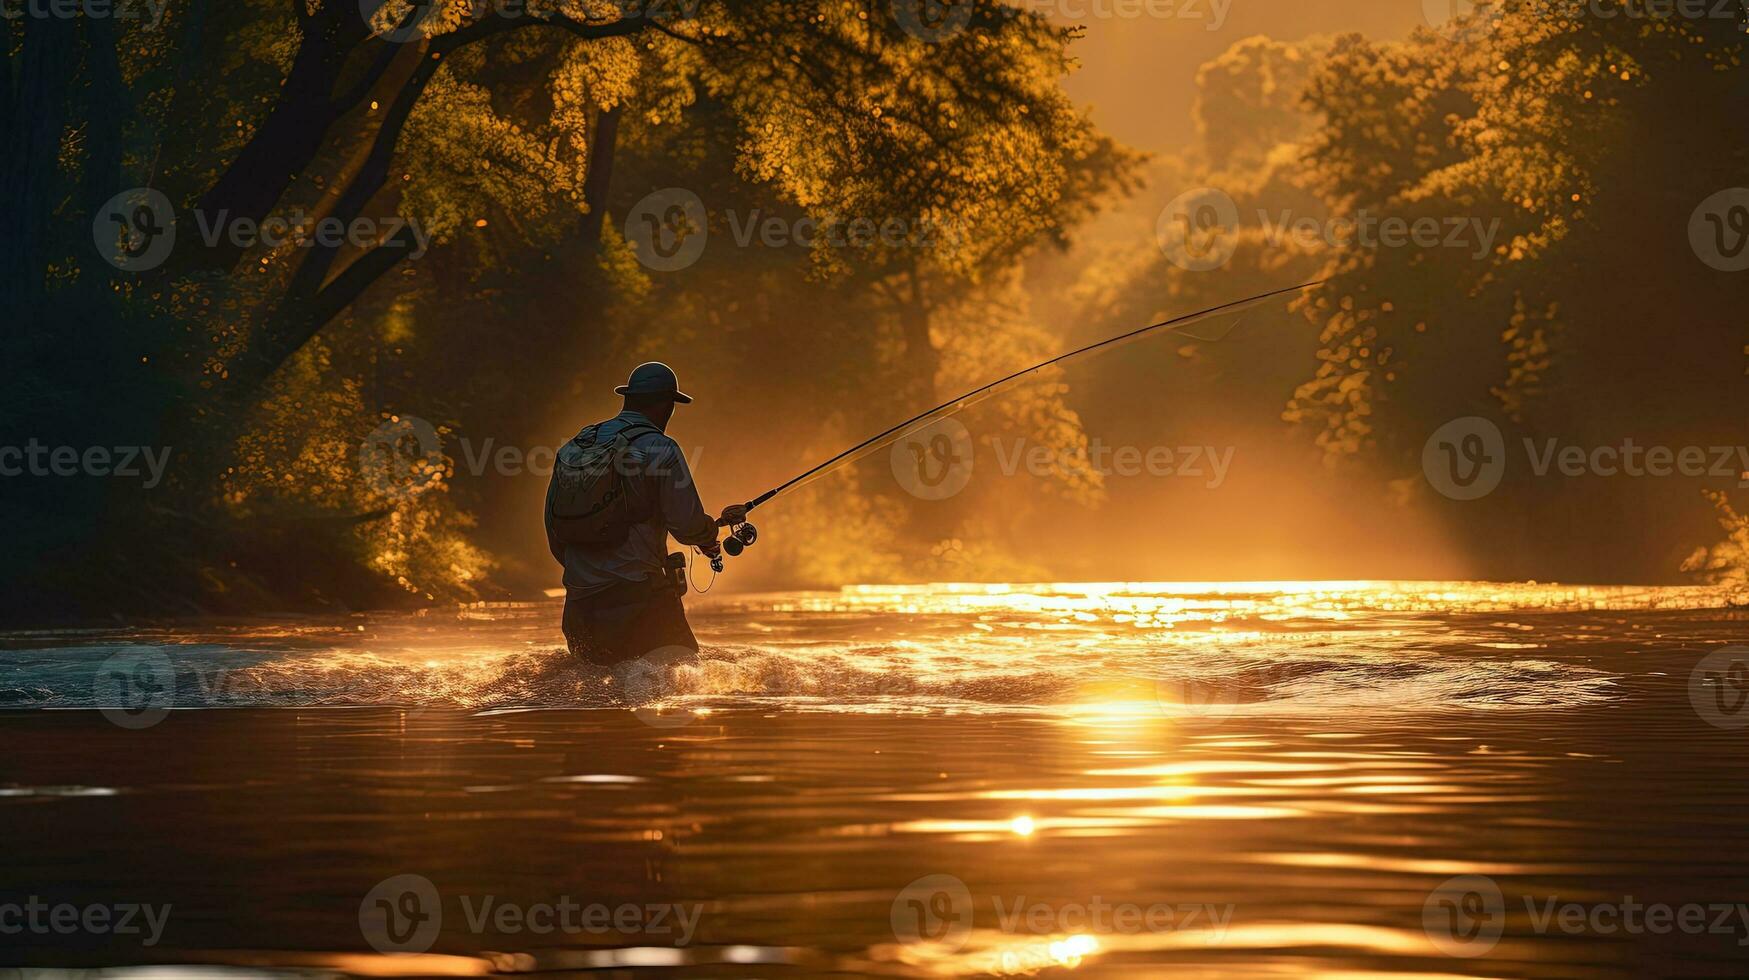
[(361, 88), (286, 143), (352, 281), (312, 300), (374, 173), (298, 321)]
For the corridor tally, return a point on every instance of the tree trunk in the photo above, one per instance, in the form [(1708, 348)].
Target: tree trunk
[(286, 143), (922, 360), (37, 119), (598, 182), (107, 107), (932, 521)]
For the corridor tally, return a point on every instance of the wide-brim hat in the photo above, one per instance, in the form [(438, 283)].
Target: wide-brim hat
[(654, 378)]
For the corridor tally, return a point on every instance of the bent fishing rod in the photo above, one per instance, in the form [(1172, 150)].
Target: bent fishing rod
[(744, 534)]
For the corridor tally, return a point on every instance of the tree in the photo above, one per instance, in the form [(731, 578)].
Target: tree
[(441, 111), (1569, 145), (1558, 125)]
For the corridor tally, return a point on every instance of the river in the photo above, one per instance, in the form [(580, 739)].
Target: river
[(1232, 779)]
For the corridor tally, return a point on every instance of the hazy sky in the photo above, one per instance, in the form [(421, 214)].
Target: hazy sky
[(1137, 71)]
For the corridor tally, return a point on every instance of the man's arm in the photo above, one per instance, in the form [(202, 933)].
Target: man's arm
[(553, 544), (677, 494)]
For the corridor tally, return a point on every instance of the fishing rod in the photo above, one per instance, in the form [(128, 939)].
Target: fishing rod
[(744, 534)]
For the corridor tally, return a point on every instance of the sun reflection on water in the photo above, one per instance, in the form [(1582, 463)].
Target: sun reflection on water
[(990, 953), (1317, 755)]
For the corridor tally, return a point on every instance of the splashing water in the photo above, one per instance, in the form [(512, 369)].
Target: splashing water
[(1275, 647)]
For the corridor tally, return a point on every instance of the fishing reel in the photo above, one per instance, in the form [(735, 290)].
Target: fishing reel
[(740, 538)]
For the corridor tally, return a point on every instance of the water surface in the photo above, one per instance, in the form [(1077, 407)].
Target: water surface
[(1447, 779)]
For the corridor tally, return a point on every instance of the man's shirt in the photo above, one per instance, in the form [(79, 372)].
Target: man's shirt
[(661, 485)]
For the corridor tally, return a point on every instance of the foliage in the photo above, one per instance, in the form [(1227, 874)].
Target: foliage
[(1545, 119), (493, 129), (1581, 143)]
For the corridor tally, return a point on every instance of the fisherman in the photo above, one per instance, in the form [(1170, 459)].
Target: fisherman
[(619, 489)]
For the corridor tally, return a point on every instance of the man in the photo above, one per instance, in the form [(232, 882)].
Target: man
[(619, 602)]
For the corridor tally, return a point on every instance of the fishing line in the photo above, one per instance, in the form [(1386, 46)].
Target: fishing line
[(694, 582), (948, 408)]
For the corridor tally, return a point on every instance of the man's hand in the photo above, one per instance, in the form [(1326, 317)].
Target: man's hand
[(733, 514), (711, 550)]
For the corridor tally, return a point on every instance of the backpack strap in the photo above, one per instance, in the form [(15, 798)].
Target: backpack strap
[(630, 434), (636, 429)]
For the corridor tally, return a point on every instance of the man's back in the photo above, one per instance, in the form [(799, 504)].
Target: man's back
[(660, 485), (618, 603)]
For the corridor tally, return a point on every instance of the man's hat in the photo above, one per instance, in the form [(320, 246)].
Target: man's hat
[(654, 378)]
